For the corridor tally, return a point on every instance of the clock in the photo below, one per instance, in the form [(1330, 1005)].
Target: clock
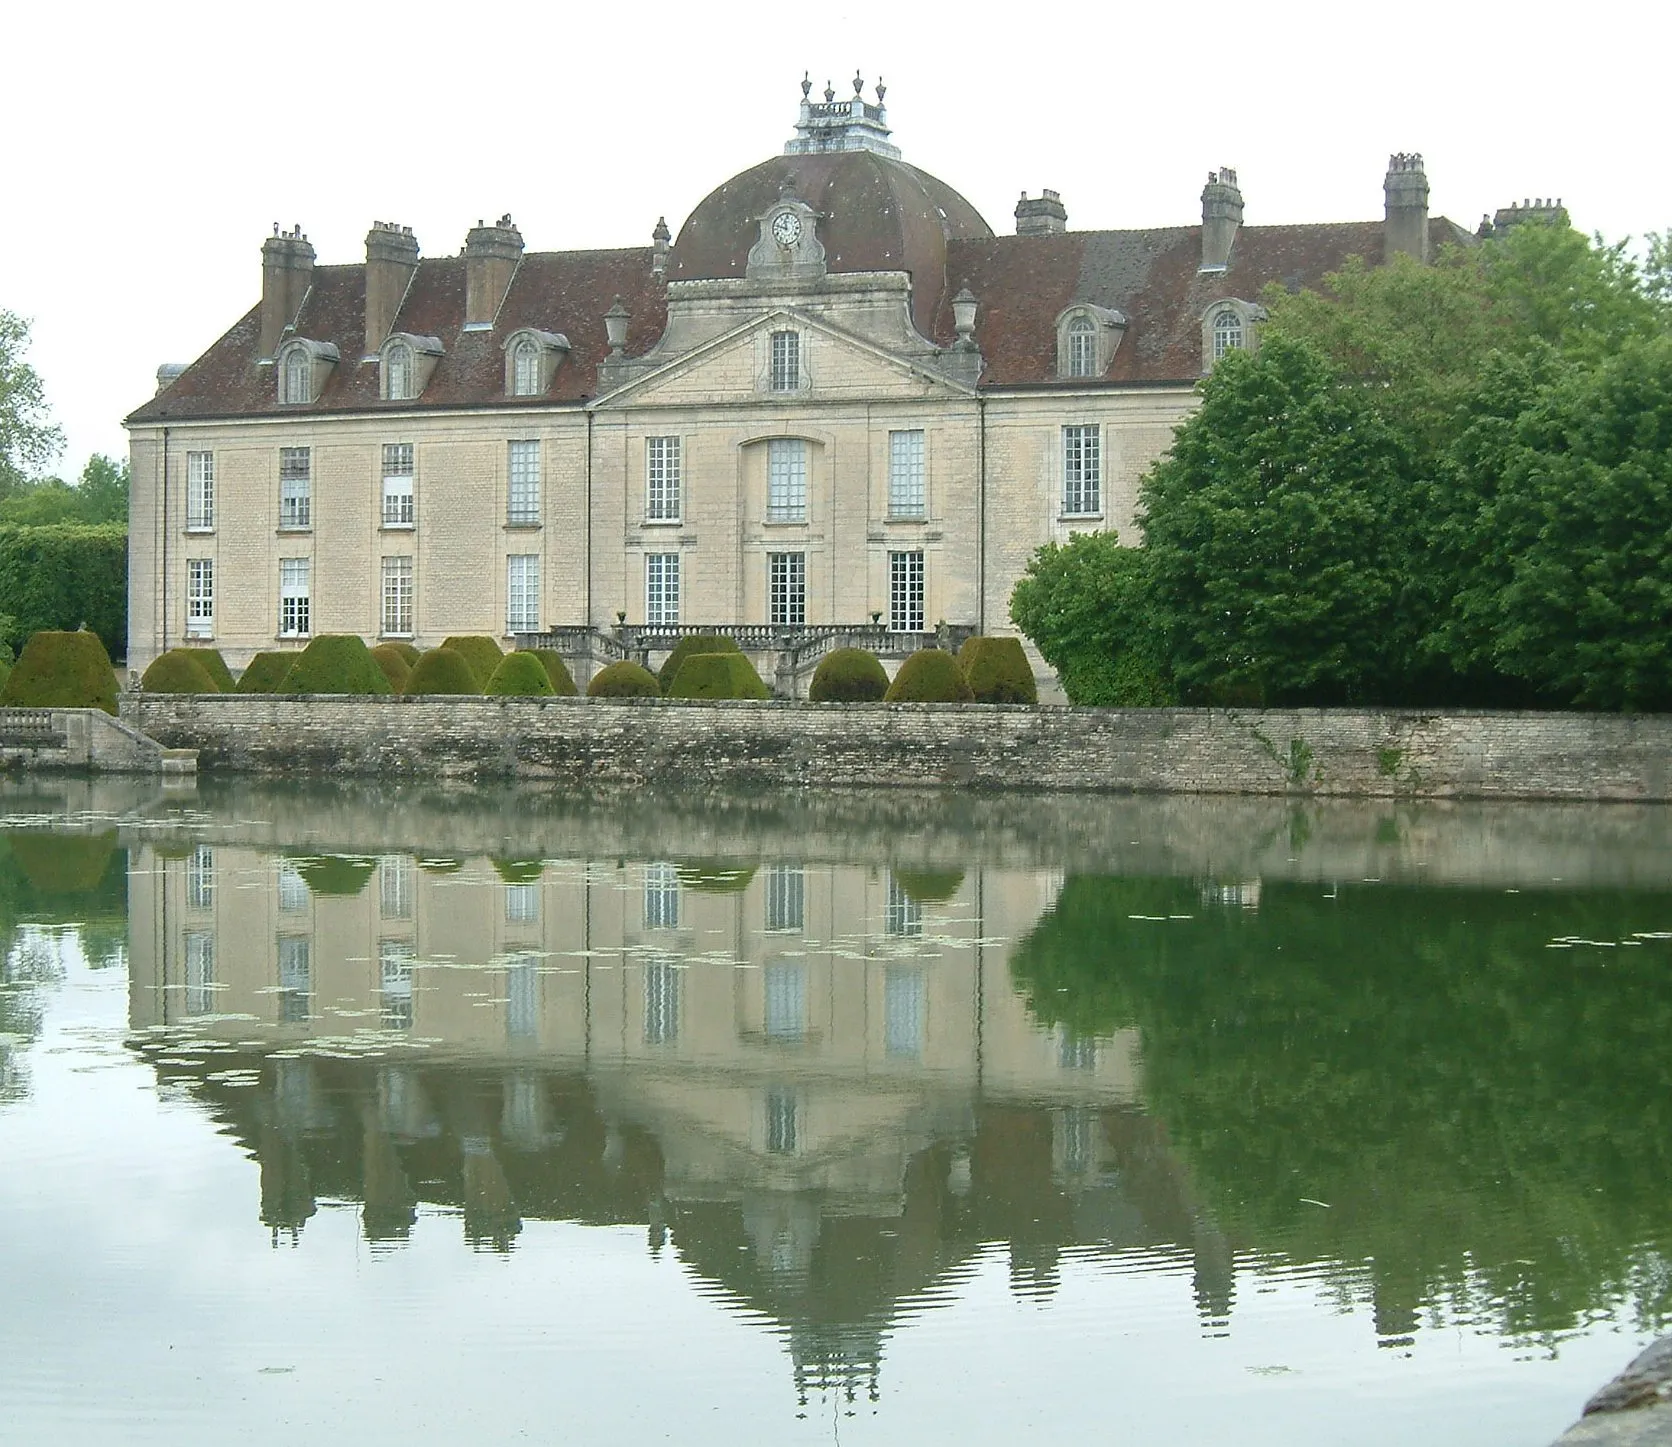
[(786, 228)]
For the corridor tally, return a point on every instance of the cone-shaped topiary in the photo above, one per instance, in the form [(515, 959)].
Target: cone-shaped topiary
[(929, 886), (718, 675), (62, 670), (394, 664), (562, 681), (998, 671), (520, 675), (479, 651), (214, 665), (695, 643), (625, 679), (336, 874), (409, 653), (336, 663), (929, 676), (177, 671), (441, 670), (519, 871), (265, 673), (848, 675)]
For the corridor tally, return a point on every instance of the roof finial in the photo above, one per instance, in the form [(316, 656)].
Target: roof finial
[(829, 92), (858, 83), (882, 90), (806, 84)]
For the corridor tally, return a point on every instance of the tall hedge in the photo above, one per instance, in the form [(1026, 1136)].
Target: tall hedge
[(929, 676), (848, 675), (62, 670), (265, 673), (692, 643), (178, 671), (336, 663), (998, 671), (718, 675), (479, 651), (62, 576)]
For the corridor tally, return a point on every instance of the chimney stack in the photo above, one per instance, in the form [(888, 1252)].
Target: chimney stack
[(659, 241), (491, 254), (286, 274), (1406, 191), (1045, 217), (391, 258), (1221, 216)]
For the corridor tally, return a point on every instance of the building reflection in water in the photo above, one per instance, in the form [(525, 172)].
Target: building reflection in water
[(813, 1082)]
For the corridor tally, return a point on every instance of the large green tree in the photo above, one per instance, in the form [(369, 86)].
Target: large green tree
[(28, 440)]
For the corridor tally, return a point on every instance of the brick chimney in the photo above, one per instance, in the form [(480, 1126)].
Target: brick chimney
[(1406, 191), (391, 258), (1046, 216), (491, 254), (286, 274), (1221, 216)]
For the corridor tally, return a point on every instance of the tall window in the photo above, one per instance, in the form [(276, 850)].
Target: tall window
[(785, 984), (905, 592), (780, 1121), (397, 485), (295, 978), (524, 500), (200, 597), (1082, 347), (1082, 470), (394, 884), (297, 383), (522, 593), (295, 597), (786, 361), (200, 972), (525, 369), (294, 893), (661, 897), (200, 878), (395, 959), (398, 372), (295, 487), (902, 915), (661, 1001), (1076, 1052), (786, 480), (787, 580), (662, 480), (200, 490), (786, 897), (522, 904), (397, 597), (903, 999), (905, 474), (522, 999), (1227, 334), (661, 589)]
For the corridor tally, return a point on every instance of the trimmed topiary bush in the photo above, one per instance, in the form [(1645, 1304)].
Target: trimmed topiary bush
[(998, 671), (178, 671), (265, 673), (64, 863), (62, 670), (410, 653), (477, 650), (848, 675), (694, 643), (718, 675), (439, 671), (519, 871), (562, 681), (336, 663), (929, 676), (520, 675), (625, 679), (213, 664), (395, 665), (929, 886), (707, 876), (336, 874)]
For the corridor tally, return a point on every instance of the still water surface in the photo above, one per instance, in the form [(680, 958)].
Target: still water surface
[(410, 1117)]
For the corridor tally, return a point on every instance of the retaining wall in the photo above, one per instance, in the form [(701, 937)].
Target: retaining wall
[(1378, 753)]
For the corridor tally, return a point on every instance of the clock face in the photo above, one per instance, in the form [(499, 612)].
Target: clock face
[(786, 228)]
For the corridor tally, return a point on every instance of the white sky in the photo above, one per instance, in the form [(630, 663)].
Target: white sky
[(153, 146)]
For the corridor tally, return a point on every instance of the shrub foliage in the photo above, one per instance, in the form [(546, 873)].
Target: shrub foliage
[(694, 643), (180, 670), (265, 673), (848, 675), (520, 675), (213, 664), (562, 681), (479, 651), (336, 663), (395, 665), (625, 679), (62, 670), (929, 676), (66, 576), (718, 675), (442, 670), (998, 671)]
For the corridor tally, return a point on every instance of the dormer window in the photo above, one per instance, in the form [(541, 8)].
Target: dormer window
[(1230, 325), (397, 375), (405, 364), (531, 361), (297, 365), (303, 367), (1227, 334), (1087, 338), (1082, 347), (525, 369)]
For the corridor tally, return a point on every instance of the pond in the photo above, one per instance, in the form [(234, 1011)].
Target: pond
[(426, 1115)]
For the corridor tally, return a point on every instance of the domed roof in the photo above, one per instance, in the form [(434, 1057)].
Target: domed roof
[(875, 214)]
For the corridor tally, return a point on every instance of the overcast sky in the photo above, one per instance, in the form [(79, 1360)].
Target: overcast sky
[(153, 147)]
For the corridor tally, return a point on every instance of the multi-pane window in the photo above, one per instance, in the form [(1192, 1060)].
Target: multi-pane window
[(786, 361), (293, 890), (661, 589), (397, 485), (786, 480), (661, 897), (785, 984), (297, 382), (200, 597), (522, 904), (295, 978), (522, 593), (661, 1001), (903, 999), (1082, 470), (395, 959), (200, 972), (786, 897), (523, 503), (662, 479), (295, 597), (1076, 1052), (905, 592), (397, 597), (522, 999), (1227, 334), (398, 372), (525, 369), (787, 589), (295, 487), (200, 878), (905, 474), (902, 915), (200, 490), (394, 886), (1076, 1133), (780, 1121), (1082, 347)]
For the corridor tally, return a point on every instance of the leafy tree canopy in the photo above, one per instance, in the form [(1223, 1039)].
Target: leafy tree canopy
[(28, 439)]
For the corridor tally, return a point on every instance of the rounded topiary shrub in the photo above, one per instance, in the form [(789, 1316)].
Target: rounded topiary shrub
[(929, 886), (213, 664), (625, 679), (338, 874), (718, 675), (441, 670), (557, 671), (62, 670), (848, 675), (410, 653), (177, 671), (397, 668), (520, 675), (929, 676), (265, 673), (519, 871), (479, 651), (998, 671), (336, 663), (695, 643)]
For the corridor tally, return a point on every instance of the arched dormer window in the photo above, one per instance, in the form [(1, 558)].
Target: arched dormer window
[(397, 373), (297, 381), (405, 364), (531, 361), (1230, 325), (1087, 338), (1082, 347), (1227, 334), (525, 369)]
